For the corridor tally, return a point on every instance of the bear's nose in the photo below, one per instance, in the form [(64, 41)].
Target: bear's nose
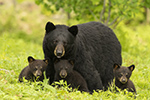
[(38, 75), (123, 81), (63, 73), (59, 52)]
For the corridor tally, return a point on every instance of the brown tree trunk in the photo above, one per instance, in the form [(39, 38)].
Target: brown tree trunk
[(148, 15)]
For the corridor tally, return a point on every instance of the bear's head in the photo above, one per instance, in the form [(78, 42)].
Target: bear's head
[(122, 74), (37, 67), (63, 67), (60, 39)]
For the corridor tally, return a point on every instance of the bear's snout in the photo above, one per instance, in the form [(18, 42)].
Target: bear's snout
[(63, 73), (59, 51), (123, 80), (37, 73)]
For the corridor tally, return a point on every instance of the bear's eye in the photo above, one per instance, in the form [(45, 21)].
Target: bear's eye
[(35, 69), (121, 74), (126, 74), (55, 41), (65, 43)]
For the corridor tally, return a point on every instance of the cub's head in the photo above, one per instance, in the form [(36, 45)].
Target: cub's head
[(59, 40), (63, 67), (37, 67), (122, 73)]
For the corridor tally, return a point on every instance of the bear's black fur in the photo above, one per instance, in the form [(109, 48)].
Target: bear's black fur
[(64, 71), (122, 75), (93, 45), (34, 71)]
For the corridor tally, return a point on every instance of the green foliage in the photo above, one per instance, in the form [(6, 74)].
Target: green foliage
[(8, 24), (106, 11), (63, 86), (134, 40), (146, 3)]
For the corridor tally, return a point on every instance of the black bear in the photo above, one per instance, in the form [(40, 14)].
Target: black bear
[(64, 71), (93, 45), (34, 71), (122, 75)]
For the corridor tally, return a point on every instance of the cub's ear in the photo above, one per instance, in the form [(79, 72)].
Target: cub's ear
[(131, 67), (56, 60), (116, 66), (49, 27), (73, 30), (30, 59), (46, 61), (72, 61)]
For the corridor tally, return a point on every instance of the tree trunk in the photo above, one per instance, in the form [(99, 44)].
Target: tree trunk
[(148, 15)]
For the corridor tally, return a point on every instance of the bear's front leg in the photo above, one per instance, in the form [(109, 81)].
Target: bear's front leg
[(90, 74), (50, 72)]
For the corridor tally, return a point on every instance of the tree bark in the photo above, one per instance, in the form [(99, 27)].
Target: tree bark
[(103, 11), (148, 15)]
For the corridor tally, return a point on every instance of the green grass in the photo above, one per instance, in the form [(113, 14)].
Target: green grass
[(16, 47)]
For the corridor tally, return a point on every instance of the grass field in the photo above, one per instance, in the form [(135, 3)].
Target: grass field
[(17, 46)]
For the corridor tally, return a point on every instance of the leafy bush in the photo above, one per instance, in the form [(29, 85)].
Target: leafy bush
[(134, 39)]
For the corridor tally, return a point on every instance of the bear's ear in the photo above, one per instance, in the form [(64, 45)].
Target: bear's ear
[(72, 61), (116, 66), (49, 27), (46, 61), (73, 30), (56, 60), (131, 67), (30, 59)]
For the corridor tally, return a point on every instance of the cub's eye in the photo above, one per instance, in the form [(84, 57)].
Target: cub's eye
[(126, 74), (34, 69), (65, 43), (120, 74), (55, 41)]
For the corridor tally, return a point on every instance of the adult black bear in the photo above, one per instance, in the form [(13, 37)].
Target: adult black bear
[(122, 75), (64, 71), (34, 71), (93, 45)]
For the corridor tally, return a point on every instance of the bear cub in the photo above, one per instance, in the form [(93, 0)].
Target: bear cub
[(64, 71), (122, 75), (34, 71)]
